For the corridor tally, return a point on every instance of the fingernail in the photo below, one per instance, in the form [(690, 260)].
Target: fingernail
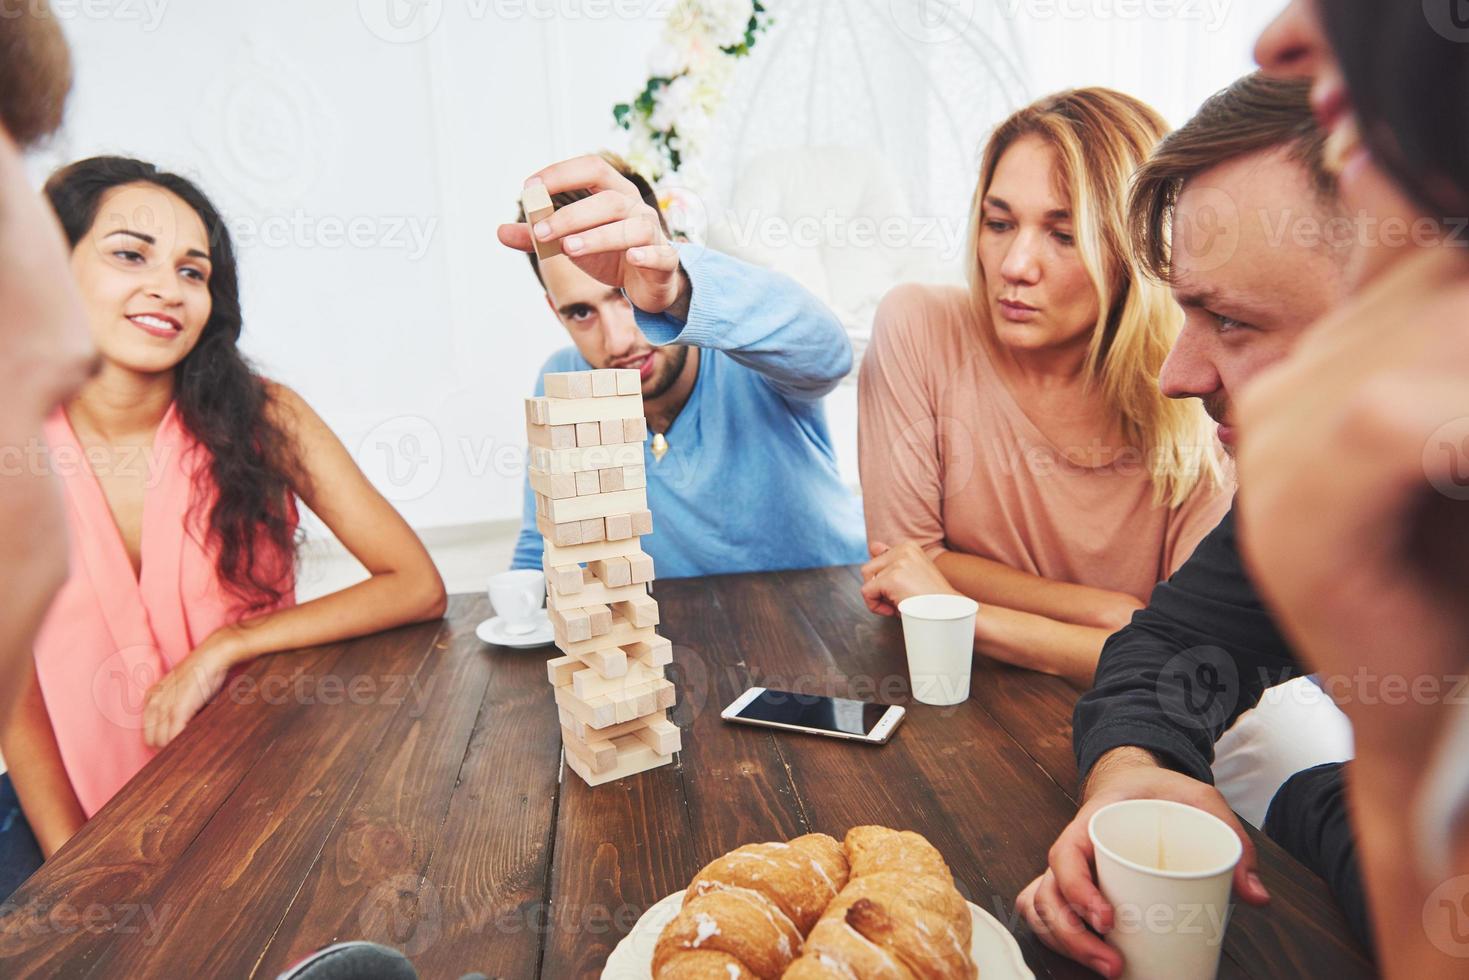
[(1256, 883), (543, 230), (637, 254), (529, 181), (572, 244)]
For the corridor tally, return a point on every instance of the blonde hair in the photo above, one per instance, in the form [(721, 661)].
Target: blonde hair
[(1100, 137)]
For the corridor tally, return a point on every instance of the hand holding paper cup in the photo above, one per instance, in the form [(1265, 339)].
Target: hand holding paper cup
[(938, 632), (1166, 869)]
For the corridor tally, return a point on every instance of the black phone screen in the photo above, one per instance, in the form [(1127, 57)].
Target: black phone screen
[(838, 715)]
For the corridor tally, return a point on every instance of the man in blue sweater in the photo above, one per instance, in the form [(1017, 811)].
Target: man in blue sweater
[(735, 360)]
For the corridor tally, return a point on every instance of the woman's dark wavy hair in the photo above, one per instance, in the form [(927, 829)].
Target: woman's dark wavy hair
[(1407, 66), (221, 400)]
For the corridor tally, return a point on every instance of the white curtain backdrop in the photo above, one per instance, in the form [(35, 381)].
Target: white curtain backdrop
[(364, 151)]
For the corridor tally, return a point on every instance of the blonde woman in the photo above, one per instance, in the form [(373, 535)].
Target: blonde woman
[(1014, 445)]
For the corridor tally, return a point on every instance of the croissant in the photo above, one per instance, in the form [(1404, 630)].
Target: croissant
[(898, 918), (872, 849), (749, 910), (801, 877)]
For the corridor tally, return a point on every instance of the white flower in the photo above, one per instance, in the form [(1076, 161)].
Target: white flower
[(722, 21), (668, 59), (672, 102)]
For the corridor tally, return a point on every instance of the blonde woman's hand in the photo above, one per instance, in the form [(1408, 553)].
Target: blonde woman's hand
[(894, 574)]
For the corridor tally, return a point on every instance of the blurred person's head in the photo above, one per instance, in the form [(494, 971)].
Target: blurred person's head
[(156, 268), (35, 72), (1051, 267), (1388, 85), (1238, 212), (598, 317), (45, 351)]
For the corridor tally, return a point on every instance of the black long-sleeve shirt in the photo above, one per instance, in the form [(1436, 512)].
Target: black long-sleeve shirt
[(1201, 654), (1171, 682)]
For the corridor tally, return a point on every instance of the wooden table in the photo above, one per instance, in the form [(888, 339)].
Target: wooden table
[(406, 788)]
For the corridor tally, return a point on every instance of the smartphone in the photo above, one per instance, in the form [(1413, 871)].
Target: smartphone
[(859, 721)]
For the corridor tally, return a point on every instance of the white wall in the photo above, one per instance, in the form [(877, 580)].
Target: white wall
[(314, 119)]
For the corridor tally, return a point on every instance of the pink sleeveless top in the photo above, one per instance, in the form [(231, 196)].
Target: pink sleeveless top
[(110, 634)]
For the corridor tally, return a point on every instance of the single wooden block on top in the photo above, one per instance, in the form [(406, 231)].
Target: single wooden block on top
[(535, 200)]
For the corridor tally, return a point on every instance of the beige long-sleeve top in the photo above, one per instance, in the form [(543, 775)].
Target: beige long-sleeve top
[(949, 459)]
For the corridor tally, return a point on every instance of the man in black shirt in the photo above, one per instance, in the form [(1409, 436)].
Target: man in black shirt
[(1257, 252)]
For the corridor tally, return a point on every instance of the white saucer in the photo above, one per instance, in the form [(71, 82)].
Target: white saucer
[(492, 631), (995, 951)]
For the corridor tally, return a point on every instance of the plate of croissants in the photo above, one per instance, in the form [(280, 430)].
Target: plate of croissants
[(879, 905)]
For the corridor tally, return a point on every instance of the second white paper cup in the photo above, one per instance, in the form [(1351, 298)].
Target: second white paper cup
[(938, 632), (1166, 869)]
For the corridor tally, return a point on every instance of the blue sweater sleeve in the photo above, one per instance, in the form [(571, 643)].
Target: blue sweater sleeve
[(762, 319)]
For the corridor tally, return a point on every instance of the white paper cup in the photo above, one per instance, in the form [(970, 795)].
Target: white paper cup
[(517, 598), (1166, 870), (938, 631)]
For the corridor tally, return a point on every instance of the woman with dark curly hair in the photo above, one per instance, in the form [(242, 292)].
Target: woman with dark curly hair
[(180, 468)]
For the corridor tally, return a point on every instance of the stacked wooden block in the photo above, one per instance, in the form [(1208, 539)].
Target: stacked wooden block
[(586, 468)]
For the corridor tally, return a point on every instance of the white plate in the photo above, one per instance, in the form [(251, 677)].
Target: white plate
[(995, 951), (492, 631)]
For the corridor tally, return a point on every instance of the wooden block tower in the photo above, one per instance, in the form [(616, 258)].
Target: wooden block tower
[(586, 468)]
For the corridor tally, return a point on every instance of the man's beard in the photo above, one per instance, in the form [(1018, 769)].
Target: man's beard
[(678, 355)]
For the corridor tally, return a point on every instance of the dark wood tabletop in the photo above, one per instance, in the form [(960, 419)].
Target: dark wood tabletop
[(407, 788)]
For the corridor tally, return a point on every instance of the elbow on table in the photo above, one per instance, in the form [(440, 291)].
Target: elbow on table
[(429, 599)]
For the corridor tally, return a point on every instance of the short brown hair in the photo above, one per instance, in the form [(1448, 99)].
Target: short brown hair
[(35, 73), (566, 197), (1255, 114)]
